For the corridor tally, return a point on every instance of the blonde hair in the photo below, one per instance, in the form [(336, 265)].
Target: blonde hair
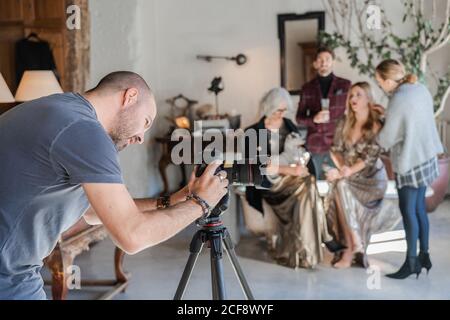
[(350, 118), (395, 70)]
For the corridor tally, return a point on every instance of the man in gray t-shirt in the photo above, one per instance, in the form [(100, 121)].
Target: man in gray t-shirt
[(58, 162)]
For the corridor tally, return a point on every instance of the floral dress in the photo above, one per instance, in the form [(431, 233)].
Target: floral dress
[(361, 195)]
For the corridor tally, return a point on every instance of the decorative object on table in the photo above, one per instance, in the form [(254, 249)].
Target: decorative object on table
[(5, 94), (166, 145), (182, 112), (203, 111), (366, 47), (37, 84), (216, 87), (240, 59)]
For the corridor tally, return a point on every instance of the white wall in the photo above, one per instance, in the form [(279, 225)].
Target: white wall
[(117, 37), (160, 40)]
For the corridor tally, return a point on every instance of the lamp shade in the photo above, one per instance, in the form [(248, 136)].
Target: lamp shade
[(37, 84), (5, 94)]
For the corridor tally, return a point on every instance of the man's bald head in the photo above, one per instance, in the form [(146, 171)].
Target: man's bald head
[(121, 81), (131, 97)]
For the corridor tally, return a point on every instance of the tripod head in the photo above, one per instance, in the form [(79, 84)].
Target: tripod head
[(210, 223)]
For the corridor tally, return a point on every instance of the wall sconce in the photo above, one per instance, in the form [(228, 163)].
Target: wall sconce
[(240, 59)]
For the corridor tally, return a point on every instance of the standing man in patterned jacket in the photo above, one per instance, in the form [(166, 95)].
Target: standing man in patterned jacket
[(322, 103)]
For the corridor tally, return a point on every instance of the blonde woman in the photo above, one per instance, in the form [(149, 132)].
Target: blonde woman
[(411, 136), (359, 180)]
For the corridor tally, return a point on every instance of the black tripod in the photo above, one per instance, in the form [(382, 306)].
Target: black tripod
[(214, 233)]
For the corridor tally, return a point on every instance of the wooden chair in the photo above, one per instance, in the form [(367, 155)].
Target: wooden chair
[(73, 242)]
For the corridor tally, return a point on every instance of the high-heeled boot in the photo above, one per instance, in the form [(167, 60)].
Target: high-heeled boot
[(424, 258), (410, 266)]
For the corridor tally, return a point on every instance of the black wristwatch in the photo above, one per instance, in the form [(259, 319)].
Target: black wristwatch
[(163, 202), (202, 203)]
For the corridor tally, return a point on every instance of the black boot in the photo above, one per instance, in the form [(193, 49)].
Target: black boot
[(410, 266), (424, 258), (334, 246)]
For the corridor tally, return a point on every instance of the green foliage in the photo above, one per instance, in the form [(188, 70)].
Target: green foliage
[(373, 47), (443, 85)]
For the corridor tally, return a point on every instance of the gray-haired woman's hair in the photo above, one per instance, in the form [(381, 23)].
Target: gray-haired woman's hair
[(272, 101)]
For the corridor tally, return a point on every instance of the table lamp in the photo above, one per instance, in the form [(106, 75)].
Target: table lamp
[(5, 94), (37, 84)]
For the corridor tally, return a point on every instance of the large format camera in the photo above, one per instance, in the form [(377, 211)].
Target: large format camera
[(239, 173)]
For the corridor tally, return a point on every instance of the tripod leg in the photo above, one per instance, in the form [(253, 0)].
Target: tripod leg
[(213, 278), (195, 248), (236, 266), (217, 266)]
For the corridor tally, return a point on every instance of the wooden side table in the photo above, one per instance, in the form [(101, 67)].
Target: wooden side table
[(167, 144)]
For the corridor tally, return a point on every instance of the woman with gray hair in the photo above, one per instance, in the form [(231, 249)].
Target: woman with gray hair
[(293, 196)]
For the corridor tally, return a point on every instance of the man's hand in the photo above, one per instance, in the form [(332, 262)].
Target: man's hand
[(322, 117), (210, 187), (181, 195)]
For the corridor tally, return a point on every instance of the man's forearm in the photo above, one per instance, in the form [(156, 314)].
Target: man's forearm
[(149, 204), (159, 225)]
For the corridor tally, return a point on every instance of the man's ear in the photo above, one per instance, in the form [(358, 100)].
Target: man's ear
[(130, 97)]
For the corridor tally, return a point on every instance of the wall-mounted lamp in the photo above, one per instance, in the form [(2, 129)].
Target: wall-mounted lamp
[(240, 58)]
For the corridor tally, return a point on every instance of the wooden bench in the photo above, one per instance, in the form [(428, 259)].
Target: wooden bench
[(262, 225), (73, 242), (390, 194)]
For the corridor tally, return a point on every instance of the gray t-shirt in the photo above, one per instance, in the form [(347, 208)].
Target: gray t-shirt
[(48, 148)]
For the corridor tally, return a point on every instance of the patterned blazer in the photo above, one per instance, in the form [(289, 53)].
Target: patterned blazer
[(320, 136)]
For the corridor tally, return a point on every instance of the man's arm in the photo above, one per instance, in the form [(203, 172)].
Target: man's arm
[(144, 205), (150, 204), (134, 230), (131, 229)]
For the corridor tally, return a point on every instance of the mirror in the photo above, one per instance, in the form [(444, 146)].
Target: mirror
[(299, 40)]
